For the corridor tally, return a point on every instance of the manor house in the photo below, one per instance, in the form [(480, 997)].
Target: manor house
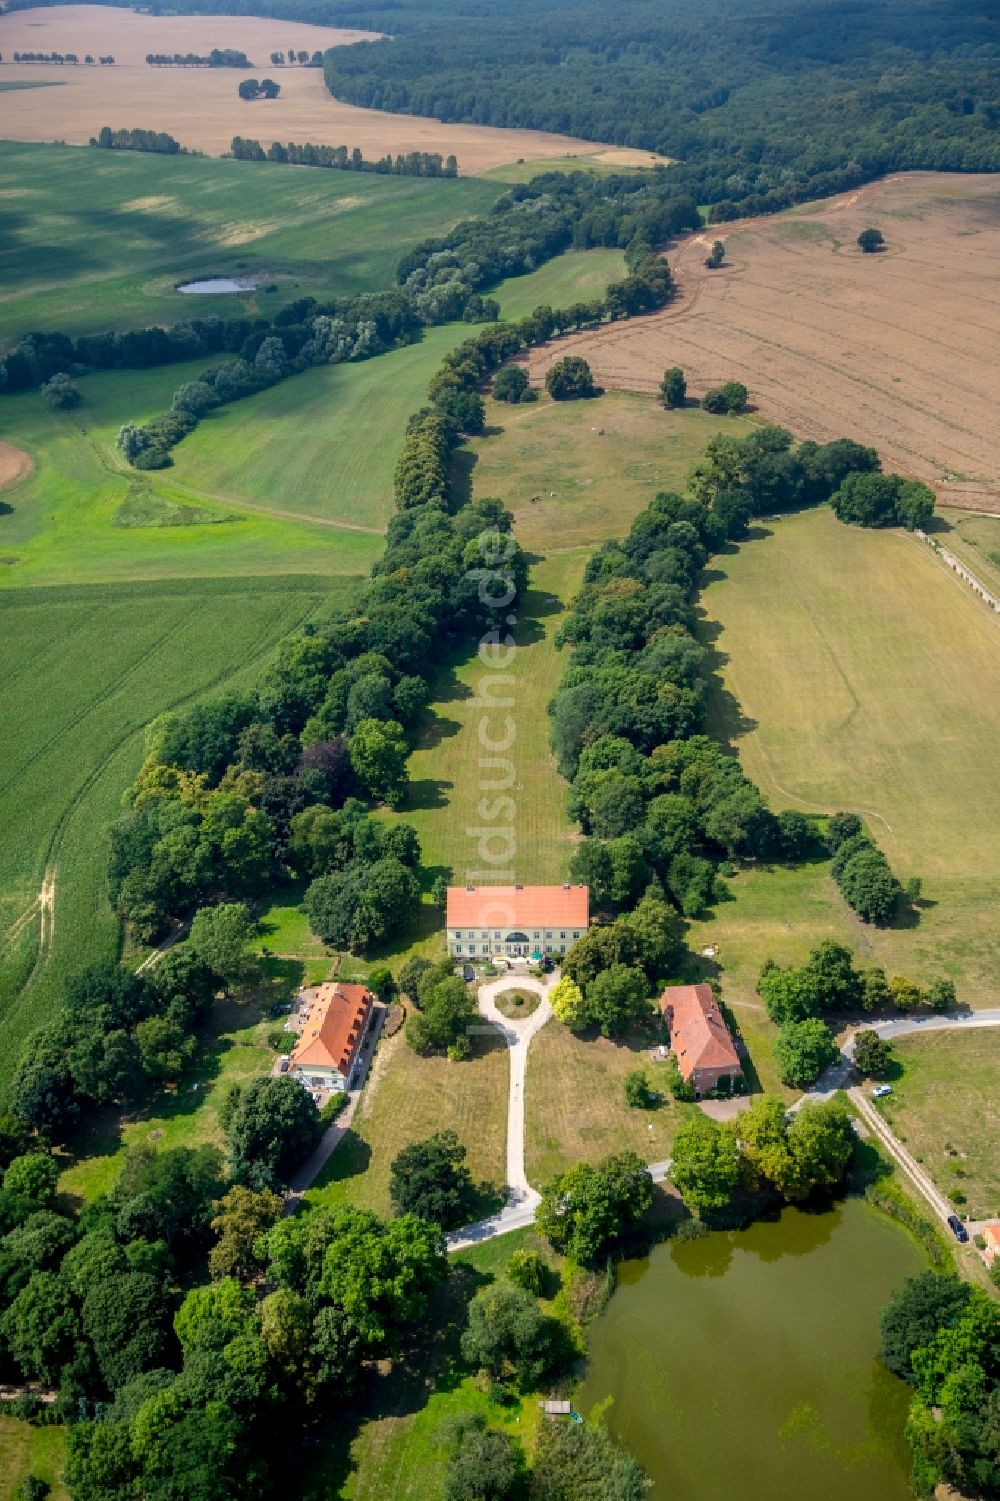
[(515, 922)]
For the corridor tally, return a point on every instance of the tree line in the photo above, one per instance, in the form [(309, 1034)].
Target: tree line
[(189, 1384), (58, 57), (440, 280), (342, 158), (137, 140), (219, 57), (374, 323)]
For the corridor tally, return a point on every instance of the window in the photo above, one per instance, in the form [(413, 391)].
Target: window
[(458, 932), (576, 935), (472, 948), (548, 934), (562, 935), (536, 935), (496, 935)]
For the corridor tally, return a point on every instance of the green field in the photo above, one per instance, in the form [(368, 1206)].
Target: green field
[(101, 239), (62, 524), (946, 1108), (82, 672), (575, 276), (856, 672), (321, 444)]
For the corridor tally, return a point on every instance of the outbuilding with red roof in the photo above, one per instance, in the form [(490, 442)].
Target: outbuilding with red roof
[(699, 1037), (330, 1042)]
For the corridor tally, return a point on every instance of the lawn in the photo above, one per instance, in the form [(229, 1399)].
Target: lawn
[(575, 473), (946, 1108), (575, 276), (856, 672), (446, 770), (233, 1049), (408, 1098), (101, 239), (575, 1102), (26, 1450), (83, 671)]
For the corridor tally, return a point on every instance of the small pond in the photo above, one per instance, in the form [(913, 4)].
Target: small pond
[(214, 285), (745, 1364)]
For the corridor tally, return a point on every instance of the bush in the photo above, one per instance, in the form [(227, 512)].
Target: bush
[(569, 379), (638, 1093), (529, 1271), (871, 241), (511, 384), (60, 393), (673, 387), (731, 397)]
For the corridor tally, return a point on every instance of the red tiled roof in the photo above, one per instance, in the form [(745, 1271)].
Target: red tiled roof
[(698, 1032), (517, 906), (334, 1027)]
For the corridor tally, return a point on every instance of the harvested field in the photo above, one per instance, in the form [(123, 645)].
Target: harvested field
[(15, 465), (200, 107), (897, 350)]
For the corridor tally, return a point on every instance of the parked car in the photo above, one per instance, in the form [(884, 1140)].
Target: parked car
[(468, 973), (880, 1091), (281, 1009), (957, 1229), (284, 1062)]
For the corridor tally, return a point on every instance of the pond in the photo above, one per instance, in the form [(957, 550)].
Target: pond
[(745, 1364), (214, 285)]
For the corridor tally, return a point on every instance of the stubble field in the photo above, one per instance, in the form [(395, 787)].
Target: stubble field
[(200, 106), (897, 350)]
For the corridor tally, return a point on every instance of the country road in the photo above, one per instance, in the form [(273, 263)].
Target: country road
[(520, 1212)]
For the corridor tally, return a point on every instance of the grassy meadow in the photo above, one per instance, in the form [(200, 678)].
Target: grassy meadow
[(575, 1108), (975, 541), (945, 1105), (855, 671), (575, 276), (100, 239), (322, 444), (409, 1098)]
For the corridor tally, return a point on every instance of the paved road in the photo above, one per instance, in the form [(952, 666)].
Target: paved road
[(521, 1212)]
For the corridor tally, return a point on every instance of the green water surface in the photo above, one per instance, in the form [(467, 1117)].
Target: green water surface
[(744, 1365)]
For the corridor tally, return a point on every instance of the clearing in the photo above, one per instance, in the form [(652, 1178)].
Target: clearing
[(574, 276), (896, 350), (100, 239), (199, 106), (857, 672), (946, 1108)]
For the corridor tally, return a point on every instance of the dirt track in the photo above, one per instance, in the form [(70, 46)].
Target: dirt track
[(898, 350), (199, 106)]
